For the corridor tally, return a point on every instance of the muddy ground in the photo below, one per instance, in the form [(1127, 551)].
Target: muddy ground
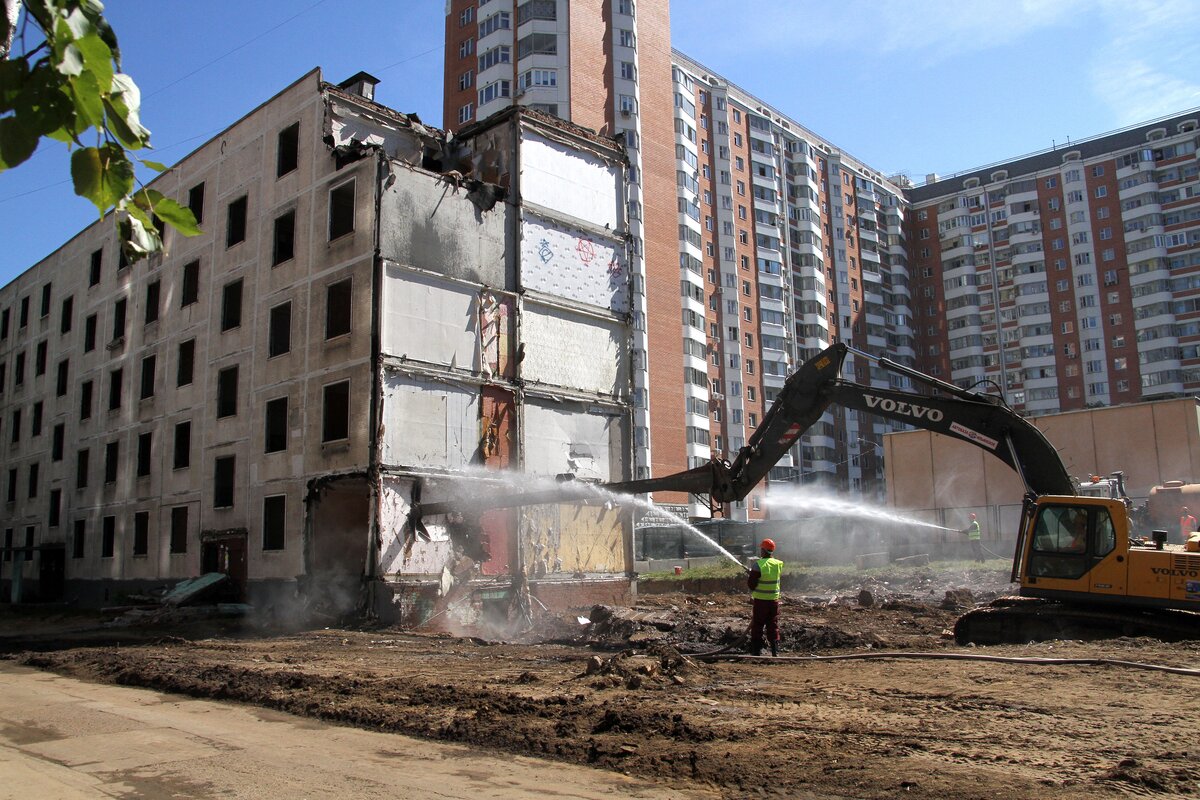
[(631, 691)]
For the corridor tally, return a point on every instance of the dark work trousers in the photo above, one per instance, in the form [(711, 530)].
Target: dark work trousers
[(977, 550), (765, 615)]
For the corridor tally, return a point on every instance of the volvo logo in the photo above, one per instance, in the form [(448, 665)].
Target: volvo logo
[(1179, 573), (907, 409)]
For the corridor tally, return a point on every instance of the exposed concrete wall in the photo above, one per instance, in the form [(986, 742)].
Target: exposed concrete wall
[(568, 438), (566, 349), (428, 423)]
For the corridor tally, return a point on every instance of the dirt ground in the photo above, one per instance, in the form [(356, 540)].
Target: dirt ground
[(631, 690)]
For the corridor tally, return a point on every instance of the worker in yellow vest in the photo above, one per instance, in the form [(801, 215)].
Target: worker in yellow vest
[(974, 536), (764, 593)]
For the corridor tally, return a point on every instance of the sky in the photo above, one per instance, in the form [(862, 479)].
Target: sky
[(911, 86)]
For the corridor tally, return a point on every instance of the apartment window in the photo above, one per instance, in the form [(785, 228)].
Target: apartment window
[(85, 400), (189, 292), (466, 47), (1101, 191), (287, 153), (179, 525), (235, 221), (274, 508), (224, 468), (64, 369), (465, 17), (148, 369), (112, 456), (118, 329), (336, 416), (115, 380), (626, 38), (628, 70), (108, 537), (183, 445), (12, 485), (196, 202), (65, 318), (627, 104), (54, 518), (231, 306), (141, 533), (186, 365), (537, 44), (501, 21), (279, 332), (19, 370), (23, 318), (465, 113), (82, 463), (58, 441), (466, 80), (276, 425), (285, 238), (341, 210), (337, 309), (40, 354), (89, 333), (94, 272), (35, 422), (78, 540), (145, 443), (625, 7), (33, 480), (153, 290), (227, 392)]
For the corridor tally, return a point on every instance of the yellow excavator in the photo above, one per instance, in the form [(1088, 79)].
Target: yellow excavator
[(1081, 569)]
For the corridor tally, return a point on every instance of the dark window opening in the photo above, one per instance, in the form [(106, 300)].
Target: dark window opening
[(336, 419), (115, 380), (183, 445), (223, 476), (58, 441), (148, 368), (152, 294), (12, 485), (196, 202), (68, 311), (82, 465), (279, 338), (34, 475), (54, 517), (285, 238), (112, 456), (337, 309), (19, 370), (85, 400), (231, 306), (235, 228), (179, 524), (64, 369), (145, 445), (24, 312), (274, 521), (35, 422), (187, 361), (89, 334), (141, 533), (46, 300), (227, 392), (288, 155), (341, 210), (190, 291), (39, 358), (79, 539), (277, 425), (4, 316), (118, 329), (8, 543), (108, 537), (15, 432), (94, 274)]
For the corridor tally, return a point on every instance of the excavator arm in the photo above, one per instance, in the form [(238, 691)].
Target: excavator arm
[(983, 420)]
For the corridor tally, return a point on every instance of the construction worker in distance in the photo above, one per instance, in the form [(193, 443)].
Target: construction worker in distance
[(763, 581), (1187, 523), (974, 536)]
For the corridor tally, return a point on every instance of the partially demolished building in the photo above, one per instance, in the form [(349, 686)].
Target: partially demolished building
[(376, 309)]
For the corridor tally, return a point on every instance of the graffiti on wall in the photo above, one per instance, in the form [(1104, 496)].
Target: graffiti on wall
[(574, 264)]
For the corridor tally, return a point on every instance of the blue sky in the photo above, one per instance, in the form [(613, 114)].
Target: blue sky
[(918, 86)]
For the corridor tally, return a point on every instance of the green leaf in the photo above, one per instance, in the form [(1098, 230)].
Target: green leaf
[(13, 75), (97, 60), (122, 107), (154, 165), (178, 216), (17, 142), (41, 106), (78, 23), (102, 175), (71, 62), (87, 100)]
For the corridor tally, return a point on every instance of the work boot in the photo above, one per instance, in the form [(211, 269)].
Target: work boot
[(775, 648), (756, 649)]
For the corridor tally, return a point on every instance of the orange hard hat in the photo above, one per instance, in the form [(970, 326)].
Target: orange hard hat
[(768, 544), (972, 516)]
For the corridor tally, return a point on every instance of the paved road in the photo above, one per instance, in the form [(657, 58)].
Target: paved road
[(64, 738)]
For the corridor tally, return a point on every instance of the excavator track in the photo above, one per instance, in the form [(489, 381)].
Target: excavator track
[(1017, 620)]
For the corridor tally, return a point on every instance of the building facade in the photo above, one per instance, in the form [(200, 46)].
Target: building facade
[(358, 317)]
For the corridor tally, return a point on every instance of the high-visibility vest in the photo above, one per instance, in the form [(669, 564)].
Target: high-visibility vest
[(769, 570), (973, 531)]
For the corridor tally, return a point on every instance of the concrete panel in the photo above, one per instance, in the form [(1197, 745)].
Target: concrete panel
[(570, 181), (569, 539), (435, 322), (566, 262), (566, 349), (560, 439), (429, 222), (422, 558), (426, 423)]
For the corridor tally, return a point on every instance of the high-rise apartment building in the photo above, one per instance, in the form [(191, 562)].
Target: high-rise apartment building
[(1070, 277), (1063, 277)]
